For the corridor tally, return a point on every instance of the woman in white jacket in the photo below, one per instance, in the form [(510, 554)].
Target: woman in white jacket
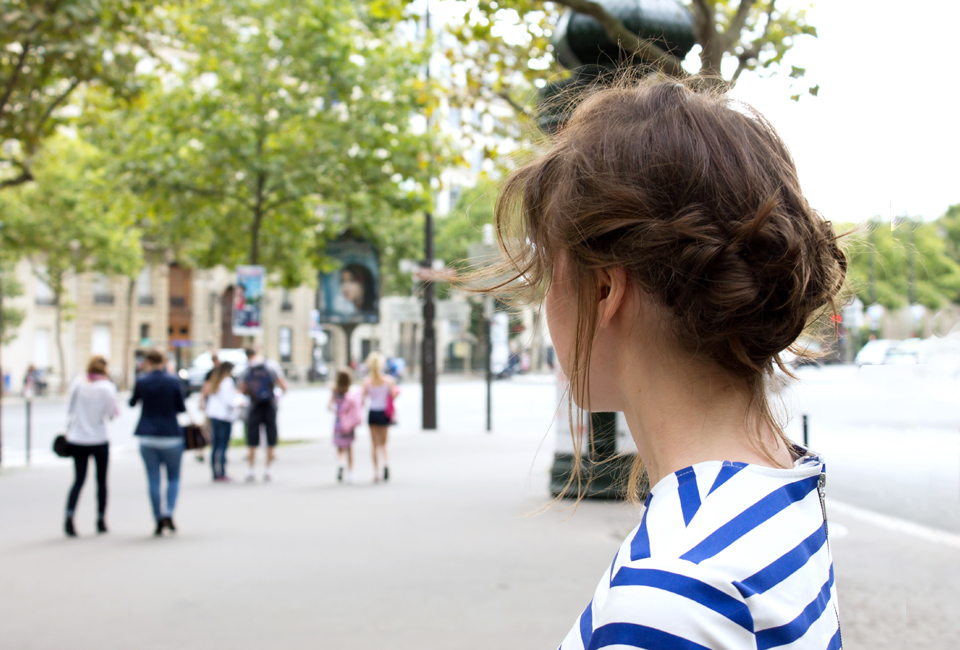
[(93, 399), (221, 410)]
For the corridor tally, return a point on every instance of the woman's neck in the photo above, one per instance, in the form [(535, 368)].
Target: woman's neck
[(683, 414)]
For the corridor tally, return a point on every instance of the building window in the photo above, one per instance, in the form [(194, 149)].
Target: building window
[(100, 340), (145, 286), (286, 345), (102, 291), (285, 303), (144, 334), (42, 292)]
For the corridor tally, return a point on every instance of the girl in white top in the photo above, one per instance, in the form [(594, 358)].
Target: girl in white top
[(92, 401), (381, 391), (221, 408), (678, 258)]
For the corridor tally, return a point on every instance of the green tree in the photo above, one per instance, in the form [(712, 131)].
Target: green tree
[(949, 224), (464, 225), (68, 221), (284, 113), (12, 316), (907, 262), (49, 49)]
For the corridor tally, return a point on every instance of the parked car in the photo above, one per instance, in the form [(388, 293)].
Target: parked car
[(819, 356), (906, 352), (197, 372), (874, 353)]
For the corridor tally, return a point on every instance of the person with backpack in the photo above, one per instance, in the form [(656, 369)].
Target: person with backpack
[(347, 404), (259, 383)]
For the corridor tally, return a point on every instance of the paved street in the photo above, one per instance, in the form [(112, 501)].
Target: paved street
[(442, 557)]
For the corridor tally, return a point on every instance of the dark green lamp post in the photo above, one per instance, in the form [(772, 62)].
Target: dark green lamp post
[(582, 46)]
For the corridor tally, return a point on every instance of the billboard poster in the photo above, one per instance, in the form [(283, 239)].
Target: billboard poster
[(351, 291), (248, 301)]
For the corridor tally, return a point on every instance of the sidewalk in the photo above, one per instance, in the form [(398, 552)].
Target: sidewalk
[(442, 557)]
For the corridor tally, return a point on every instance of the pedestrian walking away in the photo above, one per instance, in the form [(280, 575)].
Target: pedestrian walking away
[(221, 409), (160, 435), (380, 390), (204, 393), (346, 402), (678, 259), (261, 382), (92, 400)]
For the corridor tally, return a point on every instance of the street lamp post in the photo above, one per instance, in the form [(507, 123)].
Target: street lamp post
[(428, 355), (428, 352)]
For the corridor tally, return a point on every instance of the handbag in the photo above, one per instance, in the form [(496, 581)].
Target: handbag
[(194, 437), (61, 447), (391, 410)]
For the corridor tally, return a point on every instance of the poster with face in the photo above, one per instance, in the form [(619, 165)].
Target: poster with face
[(248, 301), (351, 291)]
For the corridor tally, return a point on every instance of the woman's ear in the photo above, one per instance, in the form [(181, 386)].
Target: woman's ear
[(613, 289)]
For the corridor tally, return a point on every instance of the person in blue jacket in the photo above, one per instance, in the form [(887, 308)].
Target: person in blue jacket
[(161, 438)]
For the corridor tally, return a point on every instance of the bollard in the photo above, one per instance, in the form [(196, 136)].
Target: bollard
[(806, 434), (29, 401)]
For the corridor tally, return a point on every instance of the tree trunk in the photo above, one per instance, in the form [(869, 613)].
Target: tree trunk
[(125, 381), (58, 331), (257, 220)]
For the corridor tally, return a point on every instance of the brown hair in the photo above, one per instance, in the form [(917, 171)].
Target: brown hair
[(225, 369), (344, 379), (696, 197), (97, 365), (154, 357)]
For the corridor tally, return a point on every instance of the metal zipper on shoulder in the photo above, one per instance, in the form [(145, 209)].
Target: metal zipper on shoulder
[(821, 484)]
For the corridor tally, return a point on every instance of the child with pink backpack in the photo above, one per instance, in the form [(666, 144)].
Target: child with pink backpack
[(347, 404)]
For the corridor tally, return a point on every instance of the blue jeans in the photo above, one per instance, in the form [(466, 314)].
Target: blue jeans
[(153, 458), (221, 440)]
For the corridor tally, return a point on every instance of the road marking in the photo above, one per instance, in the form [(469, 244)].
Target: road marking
[(894, 524)]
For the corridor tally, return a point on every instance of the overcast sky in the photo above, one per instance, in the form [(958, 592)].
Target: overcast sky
[(884, 128)]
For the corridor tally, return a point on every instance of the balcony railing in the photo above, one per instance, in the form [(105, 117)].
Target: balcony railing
[(45, 301), (103, 298), (178, 301), (145, 301)]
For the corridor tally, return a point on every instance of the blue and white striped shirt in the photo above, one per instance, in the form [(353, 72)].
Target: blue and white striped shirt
[(727, 556)]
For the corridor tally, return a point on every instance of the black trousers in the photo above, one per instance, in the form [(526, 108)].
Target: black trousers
[(81, 456), (264, 413)]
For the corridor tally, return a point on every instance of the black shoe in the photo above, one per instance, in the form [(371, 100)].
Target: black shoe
[(101, 525), (168, 522), (159, 531), (69, 529), (386, 473), (339, 475)]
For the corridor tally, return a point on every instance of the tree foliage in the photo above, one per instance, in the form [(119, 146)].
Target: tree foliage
[(50, 48), (280, 115), (902, 263), (70, 219), (12, 316)]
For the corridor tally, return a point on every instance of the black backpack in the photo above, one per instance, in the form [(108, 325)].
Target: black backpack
[(260, 384)]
